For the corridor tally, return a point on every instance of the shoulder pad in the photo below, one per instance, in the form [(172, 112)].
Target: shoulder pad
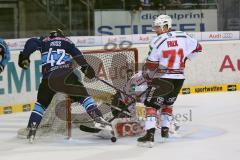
[(180, 34), (159, 40)]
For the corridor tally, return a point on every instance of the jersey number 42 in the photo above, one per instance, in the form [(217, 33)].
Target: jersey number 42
[(56, 57)]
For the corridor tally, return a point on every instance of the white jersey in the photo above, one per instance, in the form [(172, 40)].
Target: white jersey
[(171, 51), (136, 87)]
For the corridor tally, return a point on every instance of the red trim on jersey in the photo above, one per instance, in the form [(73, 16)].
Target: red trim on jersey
[(171, 71), (151, 65), (57, 38)]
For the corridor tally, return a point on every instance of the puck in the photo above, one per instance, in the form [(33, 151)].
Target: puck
[(113, 139)]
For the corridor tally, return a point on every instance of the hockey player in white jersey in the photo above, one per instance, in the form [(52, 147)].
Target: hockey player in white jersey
[(168, 54)]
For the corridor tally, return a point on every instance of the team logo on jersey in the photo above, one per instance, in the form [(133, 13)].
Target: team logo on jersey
[(172, 99), (186, 91), (151, 94), (132, 88), (232, 87), (160, 100)]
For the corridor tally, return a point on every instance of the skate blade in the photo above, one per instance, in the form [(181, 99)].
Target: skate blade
[(104, 127), (22, 136), (146, 144), (177, 128), (163, 140), (31, 139)]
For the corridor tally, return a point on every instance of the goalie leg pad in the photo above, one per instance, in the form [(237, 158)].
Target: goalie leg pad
[(126, 127)]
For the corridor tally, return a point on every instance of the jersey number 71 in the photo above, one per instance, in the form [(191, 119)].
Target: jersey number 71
[(171, 55)]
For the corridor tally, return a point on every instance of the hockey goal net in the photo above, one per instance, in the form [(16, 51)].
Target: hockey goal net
[(113, 66)]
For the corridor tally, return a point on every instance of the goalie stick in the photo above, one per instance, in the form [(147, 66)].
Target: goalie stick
[(130, 96), (96, 130)]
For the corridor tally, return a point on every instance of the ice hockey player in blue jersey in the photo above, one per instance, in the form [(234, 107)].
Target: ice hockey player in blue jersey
[(57, 53), (4, 54)]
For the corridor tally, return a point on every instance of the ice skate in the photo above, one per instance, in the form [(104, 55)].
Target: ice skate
[(101, 123), (32, 133), (148, 139), (165, 132)]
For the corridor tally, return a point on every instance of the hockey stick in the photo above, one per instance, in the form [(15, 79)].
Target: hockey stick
[(89, 129), (105, 82), (96, 130)]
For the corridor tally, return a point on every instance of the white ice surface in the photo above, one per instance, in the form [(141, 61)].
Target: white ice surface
[(212, 133)]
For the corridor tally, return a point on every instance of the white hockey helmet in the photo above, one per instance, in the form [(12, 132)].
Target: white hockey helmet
[(162, 20)]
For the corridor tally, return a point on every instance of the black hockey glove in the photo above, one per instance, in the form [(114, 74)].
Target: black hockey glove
[(23, 61), (88, 71)]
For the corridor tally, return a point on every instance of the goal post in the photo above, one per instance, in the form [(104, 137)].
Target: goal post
[(68, 117)]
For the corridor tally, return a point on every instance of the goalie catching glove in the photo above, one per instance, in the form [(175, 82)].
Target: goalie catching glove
[(23, 61)]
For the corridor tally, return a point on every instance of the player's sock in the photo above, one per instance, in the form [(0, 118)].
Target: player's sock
[(34, 121), (91, 107), (36, 115), (166, 118), (151, 119), (150, 124)]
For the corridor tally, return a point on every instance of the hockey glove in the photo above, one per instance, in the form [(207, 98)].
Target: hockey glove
[(88, 71), (140, 112), (23, 61), (149, 69)]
